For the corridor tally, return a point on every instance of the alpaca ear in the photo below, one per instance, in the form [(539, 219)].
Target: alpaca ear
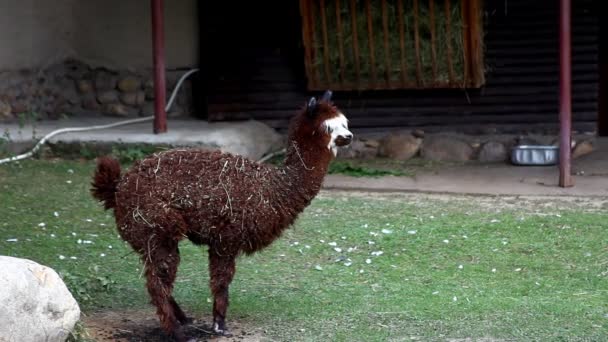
[(311, 107), (327, 96)]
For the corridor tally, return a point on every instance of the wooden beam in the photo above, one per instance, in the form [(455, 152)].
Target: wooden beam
[(565, 94), (158, 47)]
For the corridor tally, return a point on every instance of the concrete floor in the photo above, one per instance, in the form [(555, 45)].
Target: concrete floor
[(590, 173), (251, 139)]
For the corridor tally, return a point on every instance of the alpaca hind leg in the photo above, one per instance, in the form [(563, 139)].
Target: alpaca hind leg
[(179, 313), (161, 268), (222, 269)]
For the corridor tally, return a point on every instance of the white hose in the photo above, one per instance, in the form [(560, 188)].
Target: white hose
[(90, 128)]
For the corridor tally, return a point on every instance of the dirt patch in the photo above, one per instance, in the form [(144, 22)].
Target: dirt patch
[(483, 203), (143, 325)]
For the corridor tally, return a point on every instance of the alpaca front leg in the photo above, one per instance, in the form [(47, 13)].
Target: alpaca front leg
[(222, 269)]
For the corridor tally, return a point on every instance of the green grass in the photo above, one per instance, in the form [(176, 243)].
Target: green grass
[(550, 262)]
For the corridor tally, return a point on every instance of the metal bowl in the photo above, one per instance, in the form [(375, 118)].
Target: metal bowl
[(535, 155)]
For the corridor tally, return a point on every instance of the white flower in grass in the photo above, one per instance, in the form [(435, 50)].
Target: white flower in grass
[(73, 258), (435, 292), (373, 233), (368, 261), (493, 270), (69, 181), (411, 232), (102, 255), (460, 267), (338, 249), (307, 247), (387, 231), (41, 224), (318, 268), (454, 299), (347, 264), (377, 253), (56, 214), (446, 241), (61, 257), (494, 221), (12, 240), (371, 242), (333, 244)]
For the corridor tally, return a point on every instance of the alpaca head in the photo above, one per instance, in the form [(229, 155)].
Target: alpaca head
[(322, 124)]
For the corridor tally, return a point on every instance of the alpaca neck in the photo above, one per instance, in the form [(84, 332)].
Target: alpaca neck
[(305, 168)]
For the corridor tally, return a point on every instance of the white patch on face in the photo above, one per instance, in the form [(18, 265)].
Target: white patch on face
[(336, 126)]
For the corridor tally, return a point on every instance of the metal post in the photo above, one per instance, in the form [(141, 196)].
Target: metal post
[(565, 94), (158, 46)]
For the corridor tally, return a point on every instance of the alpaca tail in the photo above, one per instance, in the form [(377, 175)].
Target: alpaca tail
[(105, 181)]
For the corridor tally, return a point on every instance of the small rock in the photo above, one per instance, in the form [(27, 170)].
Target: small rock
[(418, 133), (129, 84), (582, 148), (20, 107), (445, 148), (5, 110), (372, 143), (115, 109), (399, 146), (90, 102), (84, 86), (492, 151), (133, 99), (105, 81), (357, 149), (109, 96)]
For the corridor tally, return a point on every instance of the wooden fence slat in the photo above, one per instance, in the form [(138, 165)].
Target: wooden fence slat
[(313, 44), (306, 33), (402, 43), (433, 39), (325, 42), (387, 51), (476, 48), (466, 42), (417, 44), (448, 33), (353, 9), (370, 34), (340, 41)]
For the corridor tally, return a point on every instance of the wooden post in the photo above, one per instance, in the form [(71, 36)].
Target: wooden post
[(565, 94), (158, 47)]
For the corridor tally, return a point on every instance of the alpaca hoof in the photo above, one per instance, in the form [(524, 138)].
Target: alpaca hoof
[(220, 329), (186, 320)]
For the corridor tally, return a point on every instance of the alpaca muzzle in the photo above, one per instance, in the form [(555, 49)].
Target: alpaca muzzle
[(344, 140)]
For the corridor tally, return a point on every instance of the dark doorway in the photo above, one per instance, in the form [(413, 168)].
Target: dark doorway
[(249, 45)]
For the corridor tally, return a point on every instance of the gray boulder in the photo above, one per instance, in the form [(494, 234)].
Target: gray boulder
[(492, 151), (36, 304), (446, 148), (399, 146)]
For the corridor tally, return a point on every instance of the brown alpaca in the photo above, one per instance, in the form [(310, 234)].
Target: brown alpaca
[(232, 204)]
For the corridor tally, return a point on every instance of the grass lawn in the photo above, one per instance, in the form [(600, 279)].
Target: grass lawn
[(355, 267)]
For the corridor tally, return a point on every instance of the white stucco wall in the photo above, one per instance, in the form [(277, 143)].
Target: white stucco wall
[(111, 33), (34, 33)]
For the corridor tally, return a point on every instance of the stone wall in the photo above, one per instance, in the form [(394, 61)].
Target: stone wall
[(74, 88)]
